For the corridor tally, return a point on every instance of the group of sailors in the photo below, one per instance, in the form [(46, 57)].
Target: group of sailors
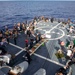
[(70, 26), (68, 49), (6, 34), (32, 36), (29, 30), (14, 32)]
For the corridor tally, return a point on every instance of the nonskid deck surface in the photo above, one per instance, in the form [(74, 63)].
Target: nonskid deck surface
[(44, 57), (46, 53)]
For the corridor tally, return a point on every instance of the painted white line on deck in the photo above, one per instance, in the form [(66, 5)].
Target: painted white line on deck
[(70, 36), (42, 27), (49, 30), (48, 59), (58, 33), (24, 49), (43, 30), (16, 46), (63, 34), (54, 27), (53, 32), (20, 52)]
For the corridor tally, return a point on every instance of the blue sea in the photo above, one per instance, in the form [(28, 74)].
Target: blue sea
[(12, 12)]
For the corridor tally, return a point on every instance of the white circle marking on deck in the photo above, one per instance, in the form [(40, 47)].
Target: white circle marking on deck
[(58, 33), (46, 32), (53, 32), (63, 34)]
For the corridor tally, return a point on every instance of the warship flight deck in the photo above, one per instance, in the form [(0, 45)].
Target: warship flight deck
[(45, 56)]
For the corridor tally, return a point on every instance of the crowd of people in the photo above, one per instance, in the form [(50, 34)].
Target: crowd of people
[(68, 49), (6, 34), (32, 36), (28, 28)]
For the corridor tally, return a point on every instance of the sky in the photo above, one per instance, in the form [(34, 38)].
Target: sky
[(37, 0)]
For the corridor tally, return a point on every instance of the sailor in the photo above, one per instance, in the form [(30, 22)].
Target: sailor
[(1, 35), (7, 35), (70, 62), (72, 59), (31, 43), (63, 48), (2, 51), (71, 29), (28, 57), (19, 27), (15, 37), (52, 20), (26, 44), (5, 59), (23, 27), (36, 39), (39, 36), (28, 32), (69, 54), (71, 45), (61, 71)]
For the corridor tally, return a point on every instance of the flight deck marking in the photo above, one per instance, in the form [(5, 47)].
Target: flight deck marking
[(42, 57), (23, 49), (42, 27), (20, 52), (14, 45), (50, 39), (50, 29), (58, 37), (58, 33), (70, 36), (53, 32), (46, 32), (54, 27), (38, 56), (49, 59)]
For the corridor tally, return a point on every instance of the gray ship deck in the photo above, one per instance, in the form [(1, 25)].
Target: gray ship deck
[(44, 57)]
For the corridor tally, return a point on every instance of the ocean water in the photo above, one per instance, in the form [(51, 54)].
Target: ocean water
[(20, 11)]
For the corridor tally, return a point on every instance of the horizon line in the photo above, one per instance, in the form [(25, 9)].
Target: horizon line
[(38, 0)]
